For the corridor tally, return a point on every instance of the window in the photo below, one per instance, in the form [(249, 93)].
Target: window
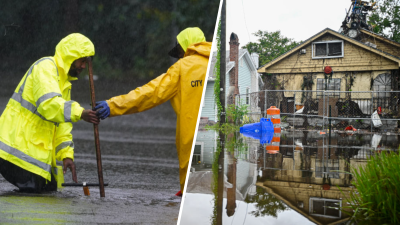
[(382, 83), (329, 208), (320, 170), (327, 49), (332, 85)]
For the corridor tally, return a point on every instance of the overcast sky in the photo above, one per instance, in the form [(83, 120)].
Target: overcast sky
[(295, 19)]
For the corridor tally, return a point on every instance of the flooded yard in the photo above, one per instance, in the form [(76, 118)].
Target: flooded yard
[(306, 182)]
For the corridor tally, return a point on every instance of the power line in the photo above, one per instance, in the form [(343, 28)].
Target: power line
[(245, 23)]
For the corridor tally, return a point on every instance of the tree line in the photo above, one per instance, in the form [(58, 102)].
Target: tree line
[(131, 37)]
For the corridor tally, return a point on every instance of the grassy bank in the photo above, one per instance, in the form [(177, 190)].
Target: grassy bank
[(377, 199)]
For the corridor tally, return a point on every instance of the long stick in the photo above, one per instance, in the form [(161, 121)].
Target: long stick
[(96, 131), (81, 184)]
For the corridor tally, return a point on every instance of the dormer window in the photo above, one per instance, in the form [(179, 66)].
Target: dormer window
[(327, 49)]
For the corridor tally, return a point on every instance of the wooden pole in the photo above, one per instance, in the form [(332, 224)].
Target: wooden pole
[(96, 130), (223, 63), (221, 157)]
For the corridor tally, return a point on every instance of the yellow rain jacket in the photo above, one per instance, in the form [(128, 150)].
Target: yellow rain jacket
[(183, 85), (35, 127)]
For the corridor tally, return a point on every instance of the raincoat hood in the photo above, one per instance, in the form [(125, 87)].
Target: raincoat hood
[(202, 48), (190, 36), (71, 48)]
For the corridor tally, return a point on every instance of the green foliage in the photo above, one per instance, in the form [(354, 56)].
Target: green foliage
[(236, 144), (106, 69), (225, 128), (266, 204), (377, 199), (235, 112), (217, 72), (387, 19), (131, 38), (270, 45)]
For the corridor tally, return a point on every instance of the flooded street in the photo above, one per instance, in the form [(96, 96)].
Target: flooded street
[(305, 182), (139, 164)]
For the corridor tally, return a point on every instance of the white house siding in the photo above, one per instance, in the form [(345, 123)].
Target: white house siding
[(226, 87), (254, 82), (244, 79), (206, 138), (246, 176), (208, 107), (247, 79)]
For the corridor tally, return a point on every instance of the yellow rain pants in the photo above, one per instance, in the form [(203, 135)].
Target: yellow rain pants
[(183, 86), (35, 127)]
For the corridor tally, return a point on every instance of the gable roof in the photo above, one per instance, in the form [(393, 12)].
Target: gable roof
[(320, 34), (380, 37), (230, 64)]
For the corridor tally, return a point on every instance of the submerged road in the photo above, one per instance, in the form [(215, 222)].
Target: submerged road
[(139, 163)]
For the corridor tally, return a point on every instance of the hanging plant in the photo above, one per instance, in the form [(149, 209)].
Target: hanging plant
[(306, 85), (372, 84), (351, 81)]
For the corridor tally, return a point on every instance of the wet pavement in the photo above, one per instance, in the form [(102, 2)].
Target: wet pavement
[(305, 182), (139, 164)]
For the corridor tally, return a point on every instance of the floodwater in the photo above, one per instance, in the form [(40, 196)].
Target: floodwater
[(305, 182), (139, 164)]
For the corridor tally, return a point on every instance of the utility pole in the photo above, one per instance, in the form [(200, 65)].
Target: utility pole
[(221, 157)]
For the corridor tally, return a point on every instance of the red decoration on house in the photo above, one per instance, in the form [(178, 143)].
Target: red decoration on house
[(326, 187), (328, 70)]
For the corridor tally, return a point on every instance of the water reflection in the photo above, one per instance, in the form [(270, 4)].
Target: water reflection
[(306, 181)]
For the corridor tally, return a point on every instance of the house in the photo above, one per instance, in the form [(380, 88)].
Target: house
[(335, 62), (203, 154), (239, 64)]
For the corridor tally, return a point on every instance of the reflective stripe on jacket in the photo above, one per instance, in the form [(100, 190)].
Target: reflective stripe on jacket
[(35, 127)]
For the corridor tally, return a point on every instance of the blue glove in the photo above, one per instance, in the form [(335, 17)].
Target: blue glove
[(104, 111)]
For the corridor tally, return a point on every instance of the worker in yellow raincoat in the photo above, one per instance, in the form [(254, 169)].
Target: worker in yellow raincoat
[(35, 127), (182, 84)]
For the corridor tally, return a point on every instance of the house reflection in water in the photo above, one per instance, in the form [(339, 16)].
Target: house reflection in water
[(314, 179), (240, 164), (307, 175)]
